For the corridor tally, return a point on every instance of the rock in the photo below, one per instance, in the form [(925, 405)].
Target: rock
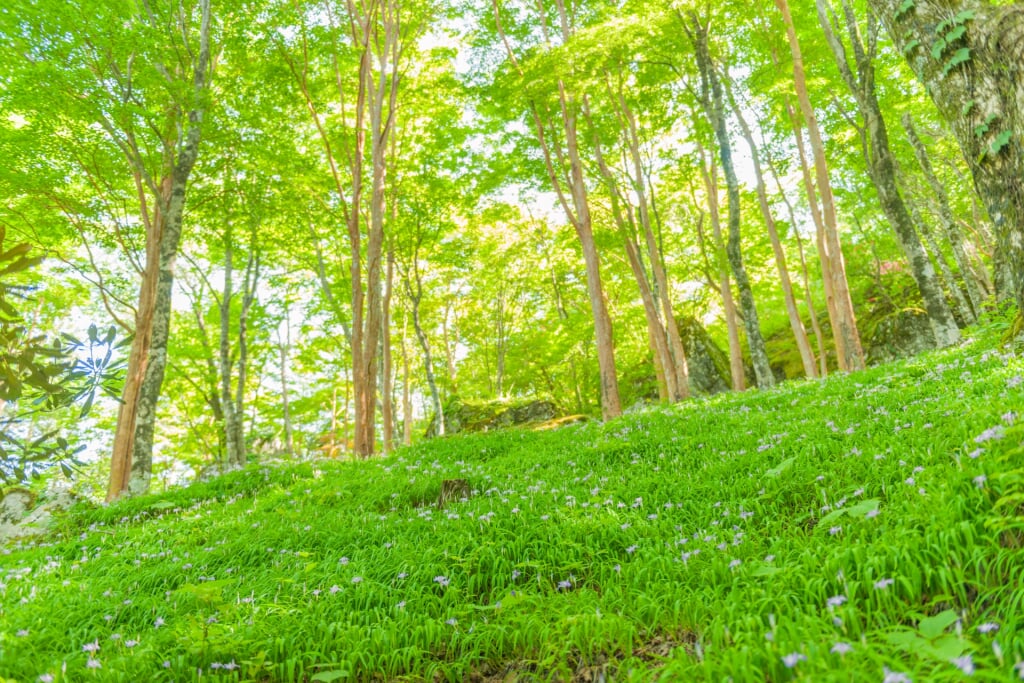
[(484, 416), (900, 334), (14, 504), (708, 363), (35, 522)]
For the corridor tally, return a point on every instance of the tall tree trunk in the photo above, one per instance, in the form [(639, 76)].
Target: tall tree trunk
[(406, 386), (387, 392), (803, 344), (736, 369), (227, 400), (945, 274), (664, 364), (579, 213), (251, 283), (804, 271), (844, 322), (981, 97), (678, 366), (714, 109), (953, 233), (882, 165), (284, 347)]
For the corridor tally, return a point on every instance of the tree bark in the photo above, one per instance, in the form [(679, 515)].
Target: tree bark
[(795, 323), (578, 214), (844, 322), (953, 233), (132, 459), (406, 387), (714, 109), (977, 83), (387, 399), (882, 165), (736, 369)]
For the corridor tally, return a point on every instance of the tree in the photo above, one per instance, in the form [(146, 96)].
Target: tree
[(969, 55), (882, 162)]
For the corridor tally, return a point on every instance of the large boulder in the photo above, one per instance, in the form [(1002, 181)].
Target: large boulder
[(708, 363), (898, 334), (20, 518), (484, 416)]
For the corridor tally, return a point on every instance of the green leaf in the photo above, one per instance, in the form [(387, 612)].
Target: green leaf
[(937, 48), (910, 46), (328, 676), (904, 7), (955, 33), (966, 15), (959, 57), (162, 505), (933, 627), (781, 468), (864, 507), (1002, 140)]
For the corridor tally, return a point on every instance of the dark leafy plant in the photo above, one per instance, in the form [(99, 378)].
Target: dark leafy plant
[(39, 375)]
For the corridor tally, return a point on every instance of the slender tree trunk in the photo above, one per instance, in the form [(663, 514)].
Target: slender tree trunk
[(284, 347), (714, 109), (981, 97), (953, 234), (882, 165), (945, 273), (225, 366), (678, 366), (428, 359), (387, 405), (844, 324), (252, 276), (579, 213), (795, 323), (736, 369), (406, 386)]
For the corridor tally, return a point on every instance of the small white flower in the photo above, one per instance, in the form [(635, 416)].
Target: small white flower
[(965, 664), (883, 584), (792, 659), (988, 627), (841, 649)]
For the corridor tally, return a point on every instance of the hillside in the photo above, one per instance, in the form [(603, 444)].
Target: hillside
[(863, 528)]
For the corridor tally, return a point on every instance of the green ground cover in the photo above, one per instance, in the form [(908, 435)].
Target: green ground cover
[(864, 528)]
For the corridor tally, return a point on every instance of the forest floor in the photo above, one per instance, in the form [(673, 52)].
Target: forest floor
[(861, 528)]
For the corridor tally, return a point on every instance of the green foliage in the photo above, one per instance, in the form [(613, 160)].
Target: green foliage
[(818, 531), (39, 377)]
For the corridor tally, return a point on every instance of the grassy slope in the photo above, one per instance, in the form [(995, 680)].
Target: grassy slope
[(725, 537)]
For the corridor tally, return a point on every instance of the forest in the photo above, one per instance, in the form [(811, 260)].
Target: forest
[(435, 340)]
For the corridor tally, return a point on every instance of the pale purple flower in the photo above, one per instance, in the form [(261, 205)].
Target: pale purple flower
[(841, 649), (357, 579), (617, 568), (980, 480), (631, 549), (115, 636), (734, 564), (884, 583), (45, 678), (93, 663), (895, 676), (403, 575), (835, 530), (990, 434), (442, 580), (871, 514), (792, 659), (343, 561), (452, 622), (23, 633), (335, 589), (564, 585), (516, 574), (94, 646), (401, 605), (1019, 668), (965, 664), (988, 627), (131, 643), (231, 666), (836, 601)]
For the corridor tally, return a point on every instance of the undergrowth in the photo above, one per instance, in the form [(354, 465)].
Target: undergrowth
[(861, 528)]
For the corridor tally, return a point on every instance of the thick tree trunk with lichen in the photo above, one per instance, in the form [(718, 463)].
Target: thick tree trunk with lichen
[(977, 82)]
